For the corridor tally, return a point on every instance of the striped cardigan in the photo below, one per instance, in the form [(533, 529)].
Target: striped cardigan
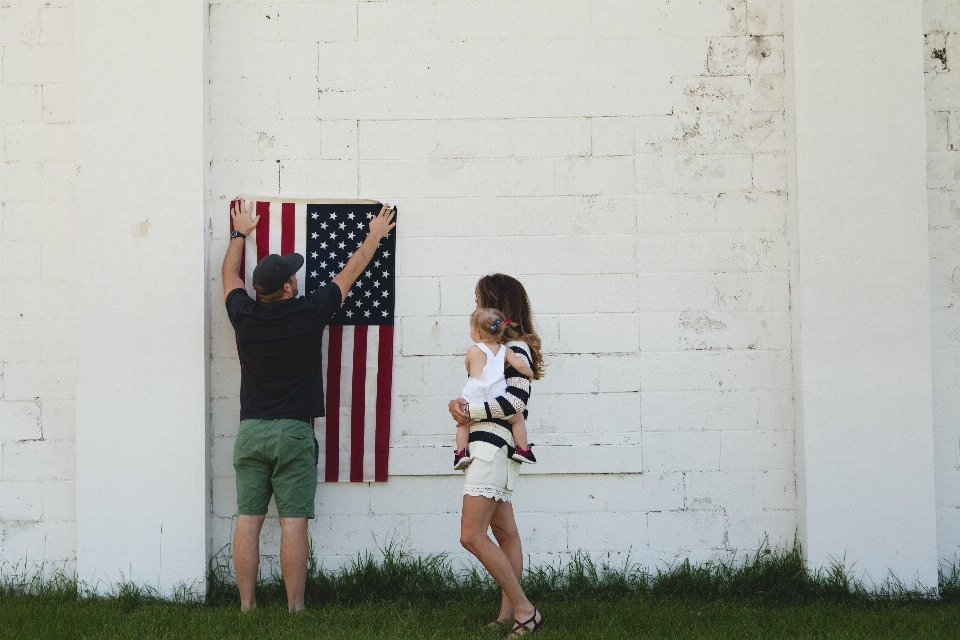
[(491, 431)]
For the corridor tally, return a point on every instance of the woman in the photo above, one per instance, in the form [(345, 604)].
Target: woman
[(491, 477)]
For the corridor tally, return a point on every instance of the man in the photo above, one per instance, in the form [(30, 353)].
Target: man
[(281, 389)]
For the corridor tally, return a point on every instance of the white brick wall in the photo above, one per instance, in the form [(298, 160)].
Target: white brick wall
[(37, 345), (625, 160), (942, 46)]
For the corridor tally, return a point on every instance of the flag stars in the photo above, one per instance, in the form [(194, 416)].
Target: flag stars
[(349, 314), (313, 254), (343, 245), (386, 294), (340, 264), (323, 225), (333, 216), (313, 274), (323, 265), (369, 215), (376, 303), (343, 225), (314, 235), (323, 245), (366, 314), (386, 254), (366, 294), (350, 215), (350, 235), (314, 215)]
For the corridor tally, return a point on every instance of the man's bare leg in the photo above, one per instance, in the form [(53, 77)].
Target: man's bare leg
[(246, 558), (294, 547)]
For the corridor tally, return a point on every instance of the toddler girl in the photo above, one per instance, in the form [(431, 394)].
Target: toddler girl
[(485, 362)]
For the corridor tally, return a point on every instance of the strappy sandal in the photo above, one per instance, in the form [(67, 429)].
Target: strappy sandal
[(523, 628)]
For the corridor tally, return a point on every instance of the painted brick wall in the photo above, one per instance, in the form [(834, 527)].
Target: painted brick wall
[(625, 160), (942, 29), (37, 345)]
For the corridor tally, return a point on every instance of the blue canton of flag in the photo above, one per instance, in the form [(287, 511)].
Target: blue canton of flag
[(334, 232)]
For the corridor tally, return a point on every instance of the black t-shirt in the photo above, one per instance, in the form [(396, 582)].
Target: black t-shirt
[(280, 359)]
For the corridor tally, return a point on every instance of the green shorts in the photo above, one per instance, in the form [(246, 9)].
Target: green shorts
[(276, 457)]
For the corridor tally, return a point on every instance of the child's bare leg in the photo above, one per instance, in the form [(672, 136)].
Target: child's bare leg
[(463, 435), (519, 428)]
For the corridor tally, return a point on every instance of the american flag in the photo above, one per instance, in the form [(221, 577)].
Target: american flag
[(358, 345)]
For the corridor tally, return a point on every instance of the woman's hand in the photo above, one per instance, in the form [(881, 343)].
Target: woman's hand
[(456, 410)]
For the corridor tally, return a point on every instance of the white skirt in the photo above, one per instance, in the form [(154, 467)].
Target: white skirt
[(494, 479)]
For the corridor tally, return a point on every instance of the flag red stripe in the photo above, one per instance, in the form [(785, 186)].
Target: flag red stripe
[(358, 404), (334, 353), (288, 228), (263, 231), (384, 390)]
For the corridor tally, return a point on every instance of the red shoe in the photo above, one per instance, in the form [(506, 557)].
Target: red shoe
[(525, 455), (462, 459)]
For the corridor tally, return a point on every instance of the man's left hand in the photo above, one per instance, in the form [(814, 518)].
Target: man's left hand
[(243, 219)]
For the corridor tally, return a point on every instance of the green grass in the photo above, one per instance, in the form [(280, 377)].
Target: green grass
[(399, 595)]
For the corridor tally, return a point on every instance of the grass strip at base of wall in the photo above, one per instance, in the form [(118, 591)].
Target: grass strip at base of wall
[(770, 576)]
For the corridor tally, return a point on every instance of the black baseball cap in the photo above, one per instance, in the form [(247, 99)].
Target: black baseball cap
[(274, 271)]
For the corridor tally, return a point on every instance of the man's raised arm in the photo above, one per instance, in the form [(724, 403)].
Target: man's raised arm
[(244, 223), (380, 226)]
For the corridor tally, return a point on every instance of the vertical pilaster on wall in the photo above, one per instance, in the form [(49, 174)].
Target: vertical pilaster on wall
[(860, 288), (141, 409)]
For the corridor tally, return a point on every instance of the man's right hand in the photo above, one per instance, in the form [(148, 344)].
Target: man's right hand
[(382, 223)]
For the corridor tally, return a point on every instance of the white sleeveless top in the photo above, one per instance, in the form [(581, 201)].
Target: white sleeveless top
[(491, 382)]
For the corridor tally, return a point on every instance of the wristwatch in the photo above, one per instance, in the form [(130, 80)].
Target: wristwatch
[(237, 234)]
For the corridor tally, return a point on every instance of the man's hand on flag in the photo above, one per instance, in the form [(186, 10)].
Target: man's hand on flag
[(381, 224), (243, 219)]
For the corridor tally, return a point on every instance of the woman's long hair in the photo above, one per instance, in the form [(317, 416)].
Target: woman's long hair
[(502, 292)]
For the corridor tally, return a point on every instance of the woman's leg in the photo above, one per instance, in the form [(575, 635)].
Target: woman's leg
[(504, 527), (476, 517)]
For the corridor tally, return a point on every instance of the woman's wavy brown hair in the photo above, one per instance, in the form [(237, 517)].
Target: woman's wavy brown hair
[(502, 292)]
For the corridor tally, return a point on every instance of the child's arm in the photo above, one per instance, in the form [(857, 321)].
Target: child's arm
[(518, 363)]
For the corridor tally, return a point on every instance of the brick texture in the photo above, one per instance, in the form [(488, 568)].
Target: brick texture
[(626, 161), (942, 75), (37, 345)]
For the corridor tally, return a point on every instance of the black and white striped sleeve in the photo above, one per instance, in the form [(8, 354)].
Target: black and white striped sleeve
[(514, 399)]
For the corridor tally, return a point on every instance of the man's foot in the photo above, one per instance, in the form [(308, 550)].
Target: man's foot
[(525, 455), (461, 459)]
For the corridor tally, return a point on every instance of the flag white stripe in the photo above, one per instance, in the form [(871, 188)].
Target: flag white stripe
[(370, 408), (250, 262), (276, 226), (320, 424), (346, 402)]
